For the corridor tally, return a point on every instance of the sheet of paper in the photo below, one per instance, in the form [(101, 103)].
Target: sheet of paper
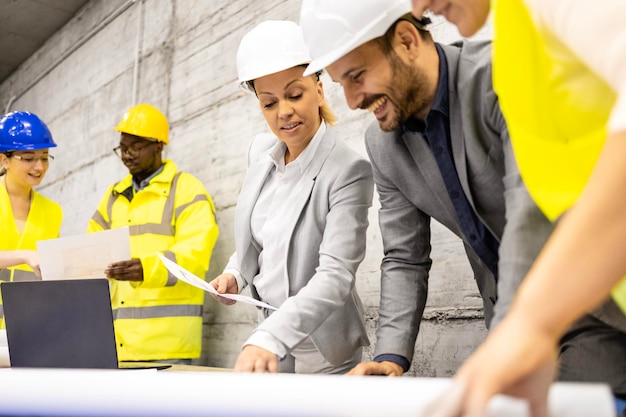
[(191, 279), (82, 256), (70, 392)]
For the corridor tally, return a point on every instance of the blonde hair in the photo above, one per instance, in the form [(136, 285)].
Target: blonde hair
[(327, 114)]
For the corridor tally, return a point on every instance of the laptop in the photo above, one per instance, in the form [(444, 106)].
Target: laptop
[(62, 324)]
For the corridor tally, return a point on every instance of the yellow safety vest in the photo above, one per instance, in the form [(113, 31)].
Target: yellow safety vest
[(556, 110), (161, 317), (43, 222)]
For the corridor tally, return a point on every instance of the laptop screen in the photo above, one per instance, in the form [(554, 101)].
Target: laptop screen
[(59, 324)]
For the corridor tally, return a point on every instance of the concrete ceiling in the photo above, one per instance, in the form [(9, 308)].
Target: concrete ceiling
[(25, 25)]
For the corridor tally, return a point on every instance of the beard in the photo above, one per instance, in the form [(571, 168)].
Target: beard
[(408, 93)]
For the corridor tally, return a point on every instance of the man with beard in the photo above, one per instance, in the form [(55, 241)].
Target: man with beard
[(156, 317), (440, 149)]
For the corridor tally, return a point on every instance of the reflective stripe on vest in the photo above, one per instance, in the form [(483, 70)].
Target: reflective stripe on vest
[(164, 228), (198, 198), (174, 310), (171, 279), (18, 275)]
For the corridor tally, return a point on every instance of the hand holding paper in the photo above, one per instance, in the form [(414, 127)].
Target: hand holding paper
[(225, 284), (191, 279), (83, 256)]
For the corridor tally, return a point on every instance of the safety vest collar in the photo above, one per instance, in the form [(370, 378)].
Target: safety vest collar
[(159, 184)]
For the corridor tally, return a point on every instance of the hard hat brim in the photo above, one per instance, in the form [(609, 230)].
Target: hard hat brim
[(28, 147), (369, 32)]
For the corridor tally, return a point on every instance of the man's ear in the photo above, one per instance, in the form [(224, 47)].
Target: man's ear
[(406, 40)]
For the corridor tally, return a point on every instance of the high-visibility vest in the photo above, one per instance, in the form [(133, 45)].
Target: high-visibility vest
[(556, 110), (43, 222), (161, 317)]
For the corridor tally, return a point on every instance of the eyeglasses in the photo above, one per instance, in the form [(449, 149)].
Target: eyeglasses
[(31, 160), (131, 151)]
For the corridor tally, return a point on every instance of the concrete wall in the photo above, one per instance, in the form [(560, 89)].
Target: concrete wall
[(180, 56)]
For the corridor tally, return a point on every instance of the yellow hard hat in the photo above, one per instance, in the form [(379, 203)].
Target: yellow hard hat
[(146, 121)]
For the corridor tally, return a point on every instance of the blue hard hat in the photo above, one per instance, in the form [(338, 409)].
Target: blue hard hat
[(24, 131)]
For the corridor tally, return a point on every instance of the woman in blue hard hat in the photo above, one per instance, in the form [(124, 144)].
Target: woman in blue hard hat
[(301, 217), (25, 215)]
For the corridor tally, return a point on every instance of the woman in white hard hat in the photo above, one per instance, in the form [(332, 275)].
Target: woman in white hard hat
[(25, 215), (301, 217)]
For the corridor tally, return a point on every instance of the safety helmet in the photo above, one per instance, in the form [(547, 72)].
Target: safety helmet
[(272, 46), (24, 131), (332, 28), (146, 121)]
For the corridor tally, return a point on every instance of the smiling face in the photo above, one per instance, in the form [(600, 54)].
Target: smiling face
[(291, 105), (26, 168), (391, 86), (468, 15)]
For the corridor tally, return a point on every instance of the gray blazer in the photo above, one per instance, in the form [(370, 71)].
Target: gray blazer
[(327, 244), (412, 192)]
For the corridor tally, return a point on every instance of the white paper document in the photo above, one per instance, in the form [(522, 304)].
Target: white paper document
[(83, 392), (191, 279), (82, 256)]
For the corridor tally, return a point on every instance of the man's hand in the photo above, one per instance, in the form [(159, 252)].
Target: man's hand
[(130, 270), (256, 359), (225, 284), (377, 368)]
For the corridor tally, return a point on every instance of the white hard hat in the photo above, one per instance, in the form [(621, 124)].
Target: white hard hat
[(272, 46), (332, 28)]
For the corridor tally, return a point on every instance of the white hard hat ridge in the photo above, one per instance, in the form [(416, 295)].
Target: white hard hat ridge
[(333, 28), (270, 47)]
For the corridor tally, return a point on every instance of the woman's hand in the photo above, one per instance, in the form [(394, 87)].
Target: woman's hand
[(256, 359), (225, 284)]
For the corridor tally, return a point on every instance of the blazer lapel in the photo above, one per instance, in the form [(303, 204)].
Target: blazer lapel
[(250, 190), (302, 194), (458, 147), (456, 122), (426, 164)]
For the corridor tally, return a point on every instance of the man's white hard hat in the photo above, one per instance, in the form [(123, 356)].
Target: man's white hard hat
[(270, 47), (332, 28)]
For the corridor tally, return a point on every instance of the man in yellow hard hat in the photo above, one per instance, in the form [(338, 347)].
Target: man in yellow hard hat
[(157, 317)]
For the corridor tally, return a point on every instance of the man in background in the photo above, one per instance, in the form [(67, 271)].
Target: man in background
[(156, 316)]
